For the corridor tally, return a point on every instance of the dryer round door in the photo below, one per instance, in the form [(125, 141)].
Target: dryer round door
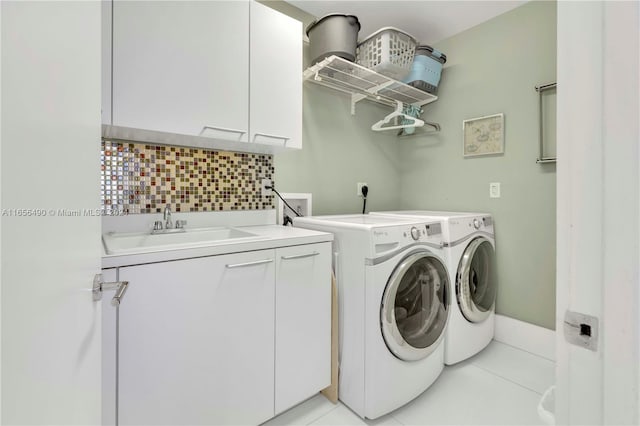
[(415, 306), (476, 284)]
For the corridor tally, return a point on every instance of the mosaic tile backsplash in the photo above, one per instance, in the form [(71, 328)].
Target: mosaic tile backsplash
[(141, 178)]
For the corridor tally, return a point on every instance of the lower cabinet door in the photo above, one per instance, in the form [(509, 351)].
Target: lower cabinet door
[(196, 341), (303, 323), (108, 373)]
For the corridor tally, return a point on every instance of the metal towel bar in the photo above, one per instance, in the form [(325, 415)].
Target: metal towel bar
[(541, 158)]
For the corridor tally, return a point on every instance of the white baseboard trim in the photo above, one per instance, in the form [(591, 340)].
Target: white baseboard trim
[(528, 337)]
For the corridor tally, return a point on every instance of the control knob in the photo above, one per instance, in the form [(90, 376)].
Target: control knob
[(476, 223), (415, 233)]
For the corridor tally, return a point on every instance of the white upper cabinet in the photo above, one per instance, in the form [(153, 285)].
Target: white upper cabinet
[(230, 71), (182, 67), (275, 78)]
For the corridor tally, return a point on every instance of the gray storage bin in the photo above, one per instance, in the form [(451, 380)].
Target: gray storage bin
[(333, 34)]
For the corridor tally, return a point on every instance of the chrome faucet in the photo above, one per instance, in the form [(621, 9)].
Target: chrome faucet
[(169, 227), (167, 218)]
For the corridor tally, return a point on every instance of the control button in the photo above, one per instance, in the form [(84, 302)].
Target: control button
[(476, 223), (415, 233)]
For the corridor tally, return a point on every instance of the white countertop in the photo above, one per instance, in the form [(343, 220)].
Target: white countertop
[(270, 236)]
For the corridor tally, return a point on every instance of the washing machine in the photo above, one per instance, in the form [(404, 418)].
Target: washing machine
[(394, 304), (470, 250)]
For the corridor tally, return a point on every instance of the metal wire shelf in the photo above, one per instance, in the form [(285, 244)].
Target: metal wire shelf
[(363, 83)]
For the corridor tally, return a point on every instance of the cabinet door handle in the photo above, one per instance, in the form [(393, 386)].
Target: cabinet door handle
[(222, 129), (120, 291), (240, 265), (266, 135), (100, 286), (300, 256)]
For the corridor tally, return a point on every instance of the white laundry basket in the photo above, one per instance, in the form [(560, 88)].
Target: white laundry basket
[(388, 51), (547, 406)]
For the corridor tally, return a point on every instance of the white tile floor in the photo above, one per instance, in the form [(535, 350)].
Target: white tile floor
[(500, 386)]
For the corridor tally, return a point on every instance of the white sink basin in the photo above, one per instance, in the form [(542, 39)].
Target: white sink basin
[(142, 242)]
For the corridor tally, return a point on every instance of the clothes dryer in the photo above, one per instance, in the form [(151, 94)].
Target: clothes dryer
[(393, 293), (470, 249)]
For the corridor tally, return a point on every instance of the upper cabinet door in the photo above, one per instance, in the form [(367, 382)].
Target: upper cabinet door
[(275, 78), (182, 67)]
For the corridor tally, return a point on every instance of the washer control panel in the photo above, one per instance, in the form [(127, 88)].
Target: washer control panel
[(393, 238), (424, 232), (407, 234), (415, 233), (476, 222), (434, 228), (463, 226)]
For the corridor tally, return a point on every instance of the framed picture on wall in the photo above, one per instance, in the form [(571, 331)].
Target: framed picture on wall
[(483, 136)]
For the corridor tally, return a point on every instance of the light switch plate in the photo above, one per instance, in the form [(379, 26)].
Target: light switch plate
[(494, 190)]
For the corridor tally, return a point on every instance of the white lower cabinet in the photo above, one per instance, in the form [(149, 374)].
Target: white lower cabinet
[(220, 340), (303, 323), (197, 341)]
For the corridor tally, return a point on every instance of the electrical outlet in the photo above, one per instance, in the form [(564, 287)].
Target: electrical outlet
[(299, 206), (263, 190), (300, 202), (359, 188), (494, 190)]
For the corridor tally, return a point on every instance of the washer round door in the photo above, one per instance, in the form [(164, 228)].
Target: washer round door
[(476, 284), (415, 306)]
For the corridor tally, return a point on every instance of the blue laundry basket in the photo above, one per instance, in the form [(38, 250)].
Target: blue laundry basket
[(426, 69)]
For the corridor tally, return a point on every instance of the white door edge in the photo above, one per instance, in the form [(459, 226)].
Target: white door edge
[(598, 210), (621, 139), (50, 148)]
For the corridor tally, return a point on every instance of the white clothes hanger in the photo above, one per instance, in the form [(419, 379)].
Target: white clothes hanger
[(435, 127), (410, 122)]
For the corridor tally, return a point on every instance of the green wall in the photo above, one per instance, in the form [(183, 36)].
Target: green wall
[(493, 68), (339, 149)]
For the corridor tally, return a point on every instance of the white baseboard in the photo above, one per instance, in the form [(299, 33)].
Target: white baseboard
[(528, 337)]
